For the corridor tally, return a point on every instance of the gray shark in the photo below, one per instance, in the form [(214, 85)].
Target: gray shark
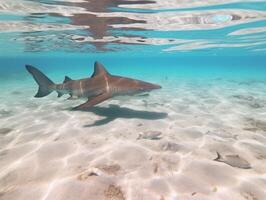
[(98, 88)]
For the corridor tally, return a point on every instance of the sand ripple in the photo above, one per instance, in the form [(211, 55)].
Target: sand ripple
[(49, 152)]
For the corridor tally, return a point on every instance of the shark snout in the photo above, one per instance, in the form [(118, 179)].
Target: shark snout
[(156, 86), (149, 86)]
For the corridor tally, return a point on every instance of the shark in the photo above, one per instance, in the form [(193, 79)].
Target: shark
[(99, 87)]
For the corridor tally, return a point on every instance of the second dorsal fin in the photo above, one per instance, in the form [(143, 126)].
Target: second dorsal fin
[(99, 69), (67, 79)]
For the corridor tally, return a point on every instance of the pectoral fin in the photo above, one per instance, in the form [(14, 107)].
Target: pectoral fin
[(59, 94), (93, 101)]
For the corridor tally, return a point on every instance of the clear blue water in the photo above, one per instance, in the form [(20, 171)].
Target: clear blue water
[(220, 38)]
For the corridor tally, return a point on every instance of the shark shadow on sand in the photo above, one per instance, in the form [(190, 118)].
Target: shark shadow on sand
[(114, 112)]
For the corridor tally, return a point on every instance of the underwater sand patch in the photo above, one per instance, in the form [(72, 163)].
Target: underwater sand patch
[(170, 146), (249, 196), (257, 150), (244, 97), (5, 113), (16, 93), (249, 100), (223, 134), (255, 125), (88, 174), (114, 193), (150, 135), (165, 164), (85, 176), (251, 191), (110, 169), (255, 105), (129, 156)]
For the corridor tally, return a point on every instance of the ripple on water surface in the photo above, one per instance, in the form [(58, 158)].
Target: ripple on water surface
[(103, 26)]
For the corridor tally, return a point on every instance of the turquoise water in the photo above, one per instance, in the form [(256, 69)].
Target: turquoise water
[(208, 56), (211, 38)]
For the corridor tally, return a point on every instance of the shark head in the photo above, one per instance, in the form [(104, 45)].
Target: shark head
[(132, 86), (121, 85), (141, 86)]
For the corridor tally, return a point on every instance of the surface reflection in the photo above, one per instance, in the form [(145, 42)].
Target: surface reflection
[(132, 25), (99, 27)]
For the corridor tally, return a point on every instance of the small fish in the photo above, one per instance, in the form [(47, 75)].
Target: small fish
[(5, 131), (233, 160), (150, 135)]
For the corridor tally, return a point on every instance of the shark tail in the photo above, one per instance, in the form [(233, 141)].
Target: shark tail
[(219, 157), (45, 84)]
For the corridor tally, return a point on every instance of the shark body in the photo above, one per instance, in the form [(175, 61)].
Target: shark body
[(98, 88)]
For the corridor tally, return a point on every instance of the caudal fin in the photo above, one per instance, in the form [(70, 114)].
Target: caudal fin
[(43, 81)]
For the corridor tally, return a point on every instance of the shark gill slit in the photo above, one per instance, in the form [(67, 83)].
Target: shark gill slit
[(107, 84), (80, 87)]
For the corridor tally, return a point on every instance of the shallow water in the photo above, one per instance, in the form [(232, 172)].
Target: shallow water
[(209, 58)]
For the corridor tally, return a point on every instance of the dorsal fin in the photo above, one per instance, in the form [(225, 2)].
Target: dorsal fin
[(67, 79), (99, 69)]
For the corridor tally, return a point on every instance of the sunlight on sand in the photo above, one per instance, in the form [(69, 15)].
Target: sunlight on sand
[(194, 141)]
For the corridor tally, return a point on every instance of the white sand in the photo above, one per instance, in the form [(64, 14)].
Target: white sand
[(49, 152)]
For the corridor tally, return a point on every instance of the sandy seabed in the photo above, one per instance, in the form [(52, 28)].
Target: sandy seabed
[(192, 140)]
